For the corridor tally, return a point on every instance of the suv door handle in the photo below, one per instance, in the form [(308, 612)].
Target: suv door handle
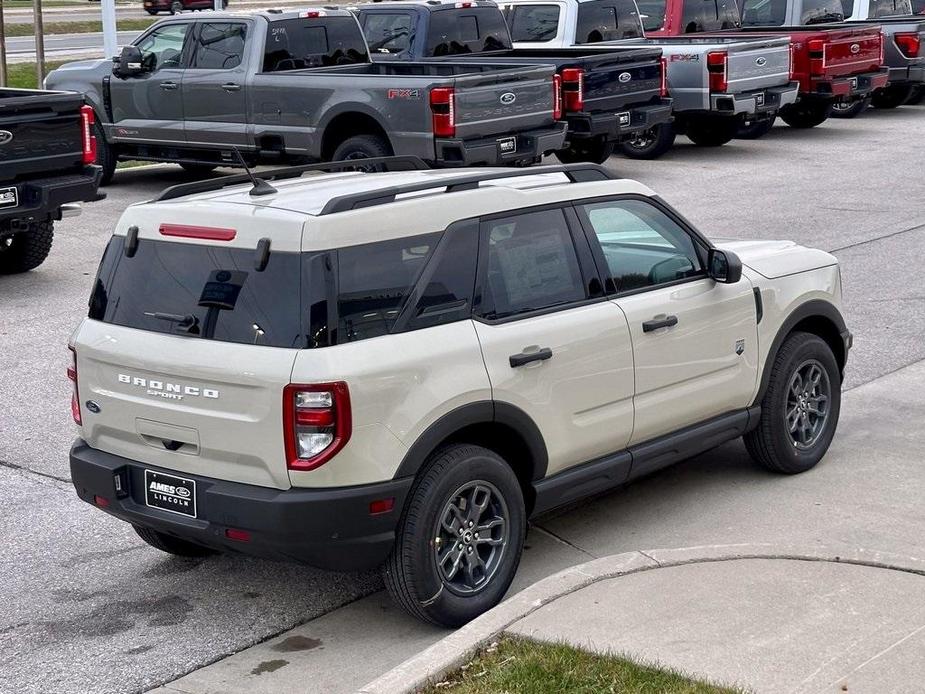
[(527, 357), (656, 323), (169, 85), (231, 87)]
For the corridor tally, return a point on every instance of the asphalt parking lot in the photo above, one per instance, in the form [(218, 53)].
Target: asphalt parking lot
[(90, 608)]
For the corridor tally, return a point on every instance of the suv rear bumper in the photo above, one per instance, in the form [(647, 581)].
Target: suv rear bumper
[(327, 528), (618, 126), (530, 146), (40, 198), (853, 86), (756, 104)]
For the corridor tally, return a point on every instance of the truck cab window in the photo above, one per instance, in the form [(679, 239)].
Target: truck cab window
[(296, 44), (474, 30), (387, 33), (537, 23), (652, 14), (761, 13), (163, 47), (886, 8), (709, 15), (610, 20), (219, 46), (822, 12)]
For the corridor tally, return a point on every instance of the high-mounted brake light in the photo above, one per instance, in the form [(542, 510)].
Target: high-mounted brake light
[(316, 423), (573, 89), (663, 80), (442, 104), (87, 119), (556, 97), (312, 14), (909, 44), (717, 62), (75, 396), (463, 5), (193, 232)]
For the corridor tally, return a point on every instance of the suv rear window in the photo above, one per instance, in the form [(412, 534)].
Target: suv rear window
[(537, 23), (472, 30), (295, 44), (607, 20)]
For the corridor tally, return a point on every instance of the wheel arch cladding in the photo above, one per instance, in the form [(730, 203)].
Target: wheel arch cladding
[(818, 318), (346, 125), (503, 428)]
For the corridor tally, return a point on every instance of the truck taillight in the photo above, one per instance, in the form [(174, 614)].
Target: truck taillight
[(556, 97), (663, 81), (75, 397), (909, 44), (88, 118), (716, 66), (793, 74), (881, 49), (442, 104), (316, 423), (573, 89), (816, 56)]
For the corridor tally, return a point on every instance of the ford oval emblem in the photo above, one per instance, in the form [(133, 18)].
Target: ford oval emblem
[(183, 492), (625, 77), (92, 406), (5, 136), (855, 48), (508, 98), (761, 61)]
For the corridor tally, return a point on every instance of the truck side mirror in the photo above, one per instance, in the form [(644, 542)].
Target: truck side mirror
[(724, 266), (129, 63)]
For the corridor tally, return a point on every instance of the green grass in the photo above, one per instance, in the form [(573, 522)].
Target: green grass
[(22, 75), (521, 666), (77, 27)]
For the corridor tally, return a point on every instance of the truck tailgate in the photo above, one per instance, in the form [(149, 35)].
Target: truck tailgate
[(851, 51), (44, 131), (505, 101), (758, 65)]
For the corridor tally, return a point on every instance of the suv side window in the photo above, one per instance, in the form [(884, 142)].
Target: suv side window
[(163, 47), (641, 245), (607, 21), (531, 264), (387, 33), (373, 282)]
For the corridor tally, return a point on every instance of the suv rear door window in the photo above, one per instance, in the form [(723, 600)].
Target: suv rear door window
[(473, 30), (295, 44), (537, 23), (218, 46), (387, 33), (607, 20), (531, 265)]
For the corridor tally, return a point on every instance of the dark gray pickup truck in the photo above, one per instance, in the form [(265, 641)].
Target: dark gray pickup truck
[(300, 86), (46, 169), (607, 98)]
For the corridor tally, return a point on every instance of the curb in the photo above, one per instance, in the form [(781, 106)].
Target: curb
[(457, 648)]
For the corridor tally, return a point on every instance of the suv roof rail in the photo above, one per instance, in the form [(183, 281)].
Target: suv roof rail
[(576, 173), (399, 163)]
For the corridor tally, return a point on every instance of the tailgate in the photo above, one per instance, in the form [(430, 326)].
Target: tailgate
[(851, 52), (504, 101), (39, 132), (758, 65), (620, 78)]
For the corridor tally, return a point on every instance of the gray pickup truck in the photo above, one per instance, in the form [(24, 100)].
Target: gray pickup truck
[(298, 86)]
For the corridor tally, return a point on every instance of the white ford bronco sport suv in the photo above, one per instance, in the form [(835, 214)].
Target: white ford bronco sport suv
[(400, 368)]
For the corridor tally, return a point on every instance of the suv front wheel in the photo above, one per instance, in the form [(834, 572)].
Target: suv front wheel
[(460, 538)]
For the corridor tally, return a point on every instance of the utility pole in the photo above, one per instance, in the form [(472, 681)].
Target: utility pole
[(2, 48), (39, 43), (110, 39)]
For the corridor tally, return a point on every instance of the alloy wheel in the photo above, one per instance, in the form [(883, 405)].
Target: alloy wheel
[(807, 410)]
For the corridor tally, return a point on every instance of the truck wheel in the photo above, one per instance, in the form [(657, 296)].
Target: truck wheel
[(650, 144), (26, 250), (756, 129), (849, 109), (197, 169), (151, 12), (806, 114), (105, 156), (460, 537), (915, 98), (891, 97), (711, 132), (596, 151), (171, 545), (362, 147), (799, 411)]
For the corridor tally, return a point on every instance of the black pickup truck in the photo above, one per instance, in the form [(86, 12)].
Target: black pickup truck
[(46, 155), (606, 98)]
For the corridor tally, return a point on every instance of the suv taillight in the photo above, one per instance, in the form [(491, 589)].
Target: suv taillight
[(573, 89), (909, 44), (556, 97), (663, 83), (444, 111), (716, 66), (88, 118), (316, 423), (72, 376)]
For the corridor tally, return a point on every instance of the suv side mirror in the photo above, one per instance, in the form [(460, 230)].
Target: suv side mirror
[(129, 63), (724, 266)]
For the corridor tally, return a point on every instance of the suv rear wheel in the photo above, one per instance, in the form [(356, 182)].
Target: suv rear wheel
[(799, 411), (171, 545), (26, 250), (460, 538)]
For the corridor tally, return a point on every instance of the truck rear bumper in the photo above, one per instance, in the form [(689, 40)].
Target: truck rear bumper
[(43, 197), (327, 528), (755, 104), (852, 87), (618, 126), (909, 73), (527, 146)]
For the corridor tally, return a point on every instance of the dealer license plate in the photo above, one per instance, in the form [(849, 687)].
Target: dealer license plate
[(507, 145), (170, 493), (9, 197)]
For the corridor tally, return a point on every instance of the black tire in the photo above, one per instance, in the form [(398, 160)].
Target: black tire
[(807, 114), (26, 250), (411, 573), (151, 12), (172, 545), (596, 151), (891, 97), (915, 98), (650, 144), (851, 109), (711, 132), (362, 147), (105, 156), (756, 129), (771, 442), (197, 169)]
